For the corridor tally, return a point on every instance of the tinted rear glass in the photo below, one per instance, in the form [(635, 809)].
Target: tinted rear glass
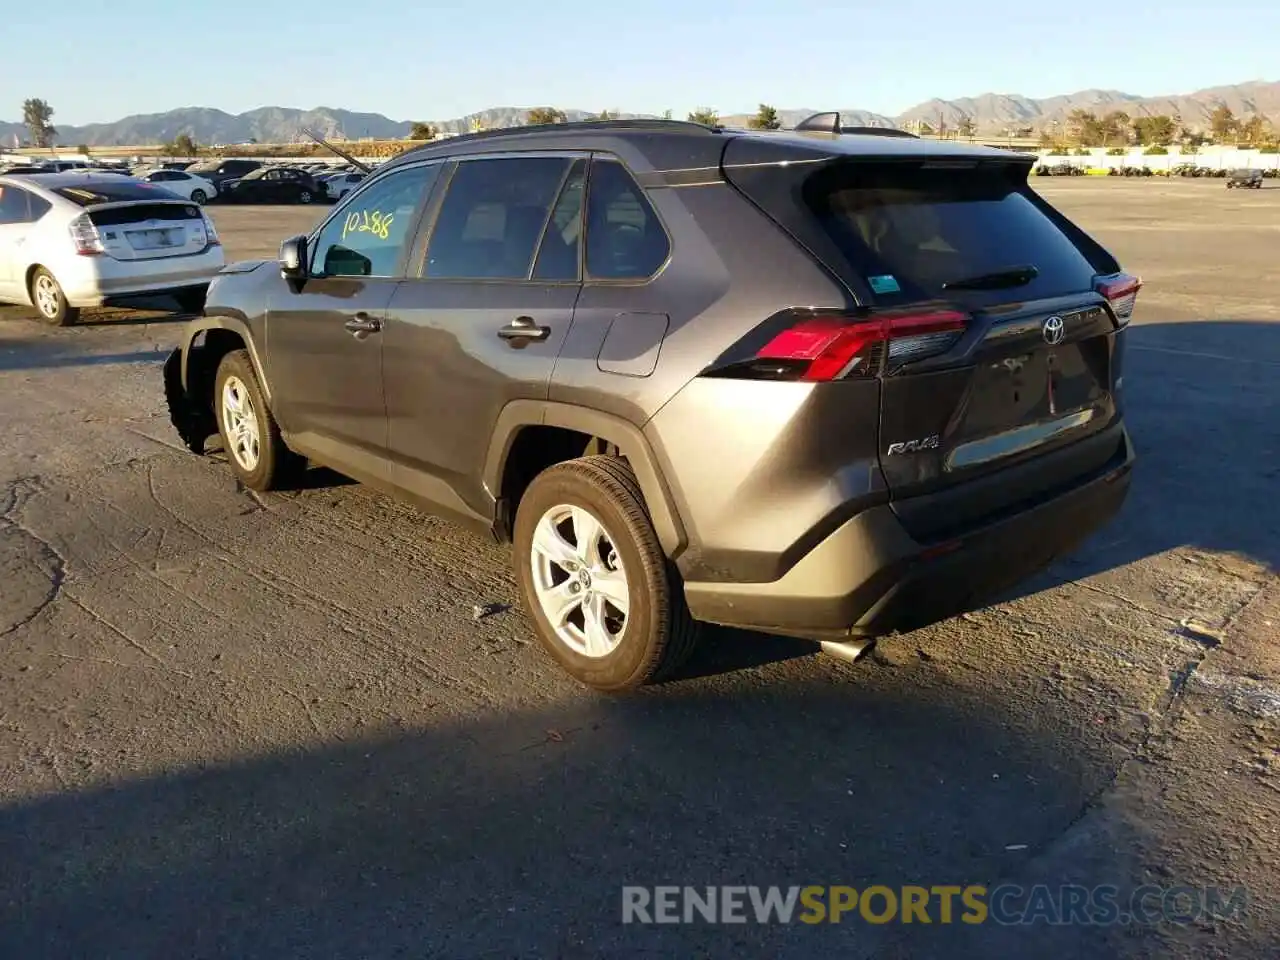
[(89, 193), (907, 229), (139, 212)]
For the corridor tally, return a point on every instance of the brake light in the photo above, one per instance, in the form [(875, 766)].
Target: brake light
[(837, 346), (1121, 291), (210, 232), (86, 238)]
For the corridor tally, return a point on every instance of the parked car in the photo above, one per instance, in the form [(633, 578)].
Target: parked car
[(218, 172), (338, 185), (829, 386), (73, 240), (1245, 178), (19, 168), (274, 185), (194, 188)]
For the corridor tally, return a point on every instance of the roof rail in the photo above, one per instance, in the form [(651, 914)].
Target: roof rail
[(638, 123), (830, 123)]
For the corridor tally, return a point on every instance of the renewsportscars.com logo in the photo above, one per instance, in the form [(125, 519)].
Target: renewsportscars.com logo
[(1007, 904)]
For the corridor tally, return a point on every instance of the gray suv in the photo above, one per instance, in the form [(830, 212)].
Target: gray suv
[(807, 383)]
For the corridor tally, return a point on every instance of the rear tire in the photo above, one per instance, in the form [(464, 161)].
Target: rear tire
[(304, 196), (250, 435), (49, 300), (199, 196), (584, 548)]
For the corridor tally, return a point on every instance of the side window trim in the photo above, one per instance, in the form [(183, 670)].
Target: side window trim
[(340, 210), (428, 221), (551, 212), (598, 157)]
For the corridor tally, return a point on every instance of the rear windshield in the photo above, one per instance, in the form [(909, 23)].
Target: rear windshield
[(88, 193), (906, 230), (140, 212)]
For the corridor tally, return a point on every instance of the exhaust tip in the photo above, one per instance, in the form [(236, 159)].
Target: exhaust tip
[(851, 650)]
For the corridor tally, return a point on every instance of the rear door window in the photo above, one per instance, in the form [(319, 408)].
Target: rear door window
[(492, 217), (558, 251), (14, 205), (906, 230), (625, 239)]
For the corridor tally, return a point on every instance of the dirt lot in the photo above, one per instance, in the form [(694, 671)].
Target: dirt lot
[(270, 726)]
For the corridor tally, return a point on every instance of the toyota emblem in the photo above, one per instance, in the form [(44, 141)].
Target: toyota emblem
[(1055, 331)]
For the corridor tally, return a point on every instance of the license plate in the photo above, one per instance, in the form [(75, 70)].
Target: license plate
[(154, 239)]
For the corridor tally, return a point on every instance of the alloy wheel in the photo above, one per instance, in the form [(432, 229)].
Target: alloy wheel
[(579, 580), (240, 424)]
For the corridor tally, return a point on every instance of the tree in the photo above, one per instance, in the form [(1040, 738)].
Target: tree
[(766, 118), (1114, 128), (1223, 123), (705, 115), (924, 128), (966, 127), (422, 131), (181, 146), (546, 115), (477, 123), (666, 114), (604, 115), (83, 150), (1254, 130), (1154, 131), (1083, 128), (36, 114)]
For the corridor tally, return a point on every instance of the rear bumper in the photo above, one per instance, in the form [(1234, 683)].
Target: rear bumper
[(92, 281), (870, 577)]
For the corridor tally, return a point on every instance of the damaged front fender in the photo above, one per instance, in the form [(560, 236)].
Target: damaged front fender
[(193, 421)]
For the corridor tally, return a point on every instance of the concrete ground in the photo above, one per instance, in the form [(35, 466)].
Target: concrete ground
[(271, 726)]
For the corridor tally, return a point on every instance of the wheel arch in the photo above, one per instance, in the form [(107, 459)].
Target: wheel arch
[(207, 340), (630, 442)]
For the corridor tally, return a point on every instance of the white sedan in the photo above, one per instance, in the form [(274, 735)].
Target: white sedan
[(73, 240), (184, 184)]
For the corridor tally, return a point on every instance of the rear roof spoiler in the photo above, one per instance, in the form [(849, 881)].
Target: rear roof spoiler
[(830, 123)]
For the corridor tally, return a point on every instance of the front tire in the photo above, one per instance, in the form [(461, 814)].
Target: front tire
[(304, 196), (605, 601), (250, 435), (199, 197), (49, 300)]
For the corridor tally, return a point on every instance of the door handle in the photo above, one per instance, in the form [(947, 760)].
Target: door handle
[(361, 325), (522, 329)]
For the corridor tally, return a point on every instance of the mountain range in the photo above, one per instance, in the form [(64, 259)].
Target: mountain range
[(991, 113)]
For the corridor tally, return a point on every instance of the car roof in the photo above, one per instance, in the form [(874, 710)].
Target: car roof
[(672, 145)]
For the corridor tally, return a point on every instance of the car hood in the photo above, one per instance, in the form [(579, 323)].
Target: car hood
[(243, 266)]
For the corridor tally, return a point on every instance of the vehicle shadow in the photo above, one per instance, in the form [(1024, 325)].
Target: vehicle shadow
[(512, 835), (1202, 400), (45, 355)]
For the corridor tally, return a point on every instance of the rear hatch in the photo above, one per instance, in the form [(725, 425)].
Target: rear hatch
[(133, 220), (147, 231), (996, 325)]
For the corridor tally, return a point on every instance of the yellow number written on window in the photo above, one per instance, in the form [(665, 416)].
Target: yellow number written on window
[(368, 221)]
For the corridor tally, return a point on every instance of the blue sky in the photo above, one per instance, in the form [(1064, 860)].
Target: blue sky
[(443, 59)]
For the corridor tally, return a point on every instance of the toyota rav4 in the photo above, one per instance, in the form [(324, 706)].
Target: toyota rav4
[(815, 383)]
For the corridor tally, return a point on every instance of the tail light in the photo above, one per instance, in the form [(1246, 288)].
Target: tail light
[(210, 232), (823, 346), (1121, 291), (86, 237)]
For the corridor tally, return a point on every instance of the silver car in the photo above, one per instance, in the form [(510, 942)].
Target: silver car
[(73, 240)]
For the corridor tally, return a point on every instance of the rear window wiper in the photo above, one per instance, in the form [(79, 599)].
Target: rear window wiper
[(996, 280)]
